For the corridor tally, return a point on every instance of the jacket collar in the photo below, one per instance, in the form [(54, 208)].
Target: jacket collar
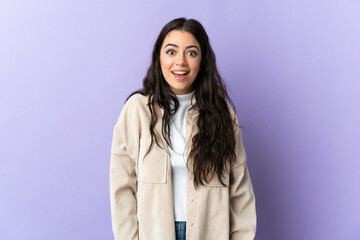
[(191, 129)]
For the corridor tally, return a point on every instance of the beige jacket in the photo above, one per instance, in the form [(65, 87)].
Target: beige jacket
[(141, 193)]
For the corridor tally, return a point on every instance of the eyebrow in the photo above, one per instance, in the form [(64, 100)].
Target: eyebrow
[(170, 44)]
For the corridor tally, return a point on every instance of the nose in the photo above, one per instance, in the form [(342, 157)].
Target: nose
[(181, 60)]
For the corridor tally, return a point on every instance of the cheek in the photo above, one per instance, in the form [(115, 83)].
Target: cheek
[(165, 63), (196, 64)]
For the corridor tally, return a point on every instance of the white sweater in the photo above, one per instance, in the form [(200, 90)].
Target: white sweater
[(178, 155)]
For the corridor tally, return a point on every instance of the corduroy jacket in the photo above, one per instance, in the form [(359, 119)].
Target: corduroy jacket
[(141, 194)]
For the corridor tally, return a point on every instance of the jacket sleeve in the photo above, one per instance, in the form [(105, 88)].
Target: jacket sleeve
[(242, 198), (123, 184)]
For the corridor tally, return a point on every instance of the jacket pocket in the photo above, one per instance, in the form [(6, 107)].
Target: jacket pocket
[(152, 167)]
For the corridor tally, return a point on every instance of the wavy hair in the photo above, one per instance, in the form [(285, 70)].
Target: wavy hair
[(214, 145)]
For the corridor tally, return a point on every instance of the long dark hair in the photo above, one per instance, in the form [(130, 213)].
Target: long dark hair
[(213, 146)]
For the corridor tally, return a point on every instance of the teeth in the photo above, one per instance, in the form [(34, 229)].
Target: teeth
[(180, 73)]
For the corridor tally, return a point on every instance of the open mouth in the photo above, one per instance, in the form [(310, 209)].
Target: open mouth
[(179, 73)]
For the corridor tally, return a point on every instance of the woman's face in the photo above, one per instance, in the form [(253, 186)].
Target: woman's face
[(180, 58)]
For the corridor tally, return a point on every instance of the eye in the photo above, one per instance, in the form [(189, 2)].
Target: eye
[(169, 51), (192, 53)]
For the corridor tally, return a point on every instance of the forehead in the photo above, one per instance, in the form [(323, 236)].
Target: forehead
[(180, 38)]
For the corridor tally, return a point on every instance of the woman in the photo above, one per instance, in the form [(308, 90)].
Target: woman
[(178, 166)]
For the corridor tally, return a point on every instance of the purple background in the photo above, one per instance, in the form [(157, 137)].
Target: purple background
[(292, 69)]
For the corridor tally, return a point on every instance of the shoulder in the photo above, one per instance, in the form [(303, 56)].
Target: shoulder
[(231, 111), (234, 118), (136, 103), (134, 107), (136, 100)]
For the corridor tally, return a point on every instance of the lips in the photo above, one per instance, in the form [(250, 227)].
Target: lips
[(180, 74)]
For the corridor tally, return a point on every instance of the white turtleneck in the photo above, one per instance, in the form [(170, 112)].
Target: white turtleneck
[(178, 154)]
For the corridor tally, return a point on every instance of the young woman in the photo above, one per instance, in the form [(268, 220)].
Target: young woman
[(178, 166)]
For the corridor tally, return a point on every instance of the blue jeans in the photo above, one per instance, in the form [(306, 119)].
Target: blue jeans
[(180, 230)]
